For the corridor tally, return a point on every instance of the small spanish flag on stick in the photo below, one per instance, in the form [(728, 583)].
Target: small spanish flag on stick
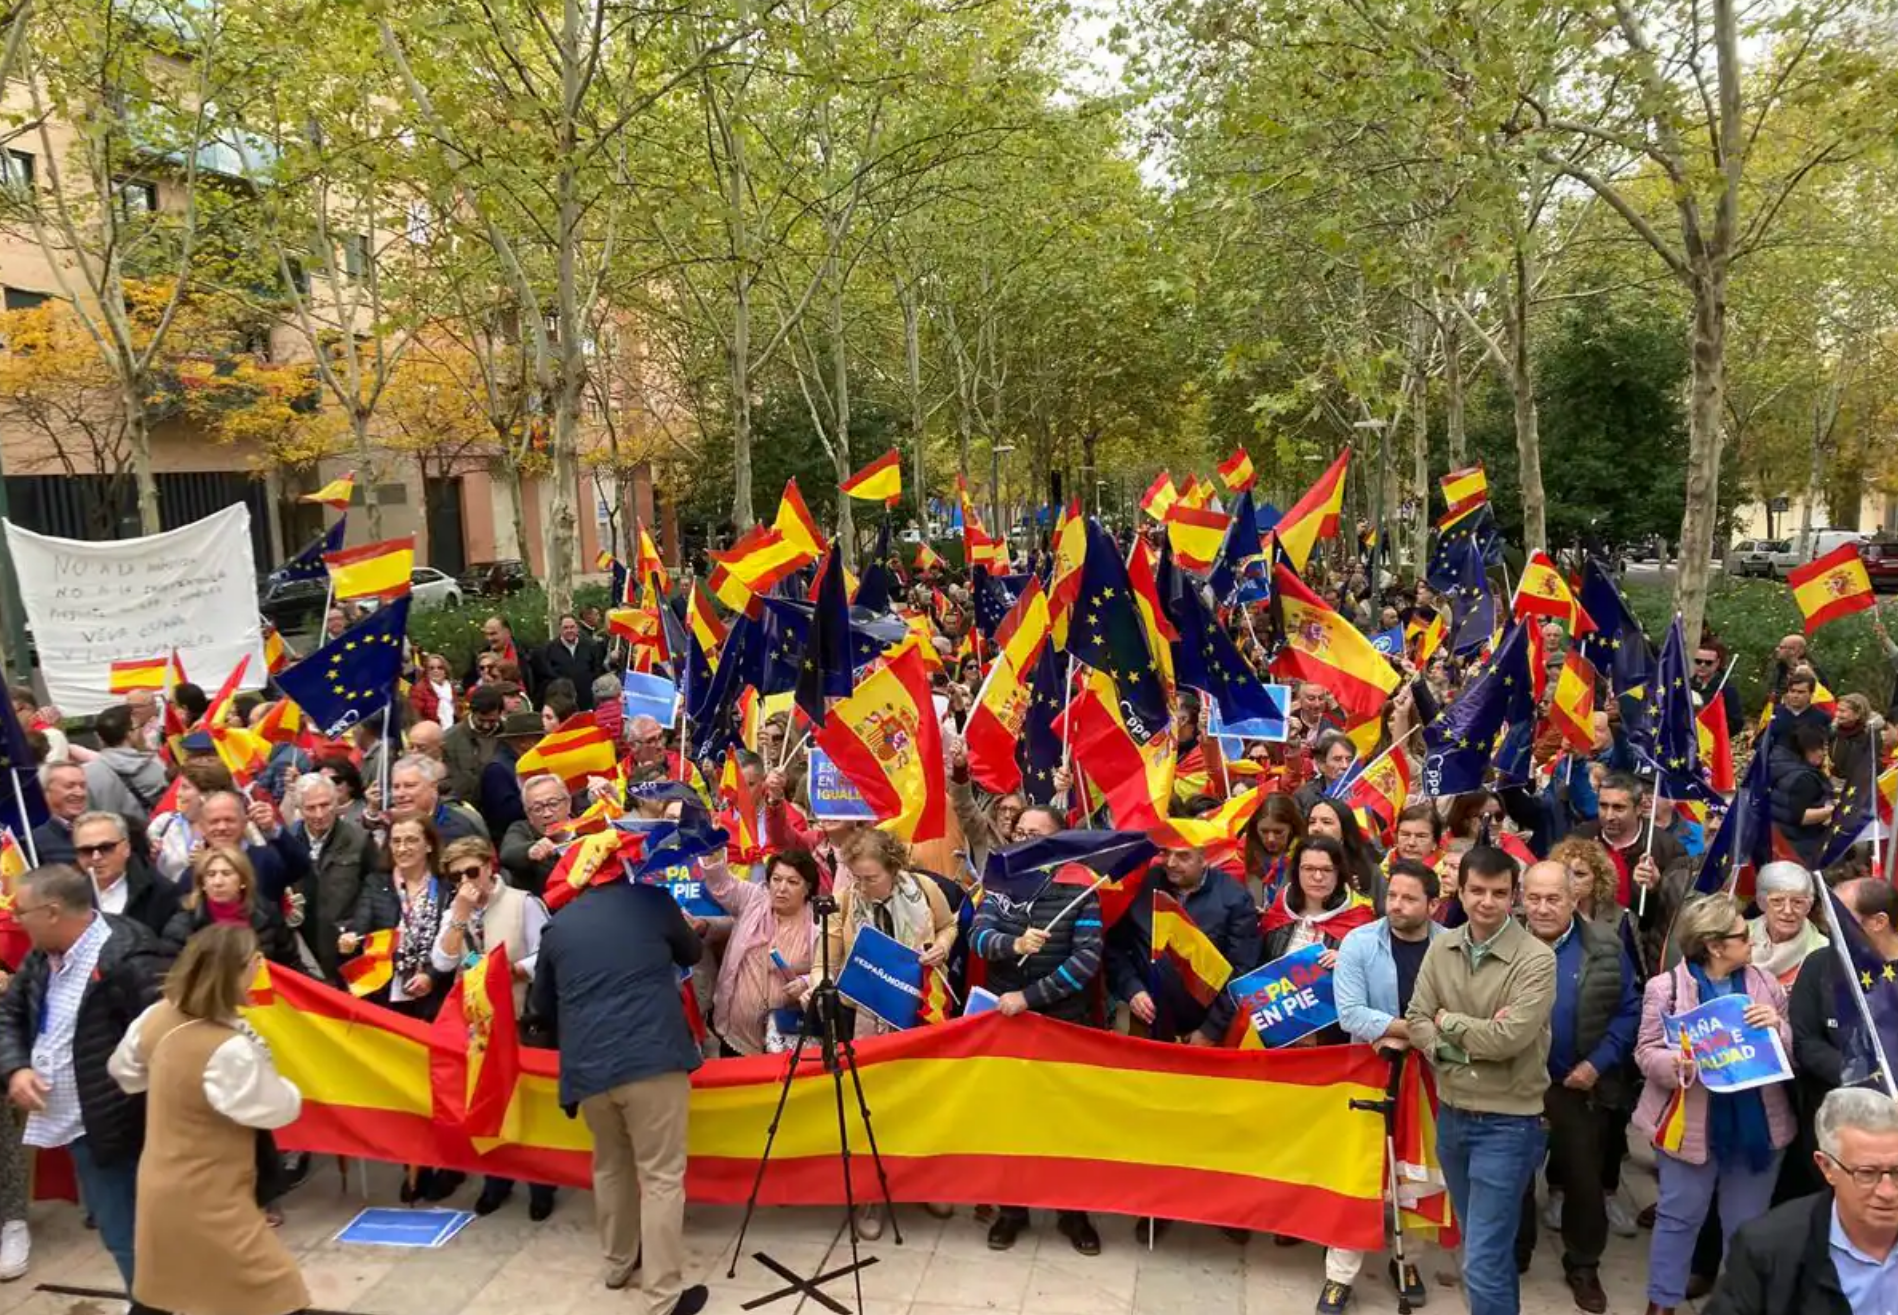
[(374, 965), (880, 481), (1202, 969), (138, 674), (335, 494), (1236, 472), (1670, 1130), (374, 570)]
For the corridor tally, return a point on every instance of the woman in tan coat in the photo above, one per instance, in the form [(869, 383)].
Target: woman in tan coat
[(203, 1245)]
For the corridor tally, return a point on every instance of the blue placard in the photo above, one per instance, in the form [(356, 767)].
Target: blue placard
[(646, 695), (404, 1228), (1729, 1054), (1232, 736), (883, 976), (981, 1001), (689, 892), (1289, 998), (833, 798)]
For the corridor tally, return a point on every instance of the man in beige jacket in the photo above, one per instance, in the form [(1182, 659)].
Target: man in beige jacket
[(1480, 1015)]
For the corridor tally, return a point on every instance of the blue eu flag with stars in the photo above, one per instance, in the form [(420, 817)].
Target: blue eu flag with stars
[(354, 675)]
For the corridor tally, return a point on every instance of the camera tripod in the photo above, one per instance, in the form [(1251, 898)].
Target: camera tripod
[(1387, 1107), (821, 1022)]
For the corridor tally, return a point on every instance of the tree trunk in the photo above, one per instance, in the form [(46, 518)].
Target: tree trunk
[(510, 472), (1535, 533), (840, 409), (139, 434), (1707, 384), (365, 463), (740, 346), (1420, 454), (562, 523), (1453, 396), (913, 365)]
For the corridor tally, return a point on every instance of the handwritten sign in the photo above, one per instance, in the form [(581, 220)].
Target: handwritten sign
[(1730, 1054), (883, 976), (123, 600), (833, 798), (1287, 999), (1233, 735)]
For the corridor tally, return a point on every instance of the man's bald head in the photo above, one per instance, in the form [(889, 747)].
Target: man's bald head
[(425, 738)]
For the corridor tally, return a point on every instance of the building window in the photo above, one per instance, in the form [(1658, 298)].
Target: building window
[(21, 299), (355, 254), (18, 166), (418, 222), (137, 198)]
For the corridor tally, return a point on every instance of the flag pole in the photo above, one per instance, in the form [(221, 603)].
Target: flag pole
[(1067, 730), (26, 822), (1654, 813), (1072, 905)]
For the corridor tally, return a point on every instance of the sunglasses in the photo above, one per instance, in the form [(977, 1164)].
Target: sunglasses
[(466, 874), (96, 851)]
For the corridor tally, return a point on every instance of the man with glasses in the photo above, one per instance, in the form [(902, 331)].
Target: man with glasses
[(1041, 955), (1710, 669), (531, 848), (486, 913), (88, 976), (122, 882), (1835, 1252)]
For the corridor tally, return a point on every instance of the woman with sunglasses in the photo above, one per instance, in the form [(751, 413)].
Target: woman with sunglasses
[(487, 913), (1730, 1141), (407, 895)]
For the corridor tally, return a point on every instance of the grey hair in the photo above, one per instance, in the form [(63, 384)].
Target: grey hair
[(99, 815), (606, 689), (429, 769), (62, 884), (1859, 1108), (533, 781), (47, 770), (314, 781), (1782, 877), (643, 725)]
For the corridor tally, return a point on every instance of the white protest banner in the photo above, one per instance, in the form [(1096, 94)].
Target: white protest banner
[(92, 604)]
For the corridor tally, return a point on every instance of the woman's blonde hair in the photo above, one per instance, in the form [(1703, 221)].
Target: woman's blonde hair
[(467, 847), (211, 979), (246, 875), (1579, 852), (878, 847), (1703, 921)]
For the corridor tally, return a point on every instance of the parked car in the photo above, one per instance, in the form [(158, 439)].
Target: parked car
[(493, 579), (431, 588), (1817, 543), (1881, 563), (294, 606), (1758, 556)]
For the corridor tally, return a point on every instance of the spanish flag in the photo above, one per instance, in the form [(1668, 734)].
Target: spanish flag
[(1143, 578), (1320, 645), (1135, 780), (1382, 789), (1423, 1194), (141, 674), (1202, 969), (573, 751), (1159, 497), (1543, 592), (218, 710), (1886, 802), (795, 522), (927, 558), (12, 861), (1314, 516), (1195, 494), (335, 494), (880, 481), (993, 733), (1216, 830), (1832, 586), (281, 724), (1670, 1130), (706, 627), (1572, 709), (478, 1022), (1236, 472), (734, 791), (374, 570), (885, 739), (1070, 553), (276, 652), (242, 752), (1424, 634), (374, 965), (592, 860), (1195, 533), (937, 1002), (756, 563), (1464, 491), (648, 564), (1716, 745)]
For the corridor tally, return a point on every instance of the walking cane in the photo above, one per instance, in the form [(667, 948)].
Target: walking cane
[(1388, 1108)]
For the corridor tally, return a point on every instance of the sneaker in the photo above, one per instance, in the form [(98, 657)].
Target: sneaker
[(1552, 1213), (691, 1301), (1621, 1219), (1408, 1282), (1333, 1298), (869, 1222), (16, 1247), (616, 1277)]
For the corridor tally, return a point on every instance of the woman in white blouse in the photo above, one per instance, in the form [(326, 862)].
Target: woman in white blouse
[(203, 1244)]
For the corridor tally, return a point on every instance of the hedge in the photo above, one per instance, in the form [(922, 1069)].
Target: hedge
[(456, 631)]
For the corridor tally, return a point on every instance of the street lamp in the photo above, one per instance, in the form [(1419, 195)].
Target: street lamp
[(996, 453)]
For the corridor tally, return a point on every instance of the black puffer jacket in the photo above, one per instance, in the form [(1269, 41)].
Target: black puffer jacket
[(125, 982), (1798, 786), (274, 938)]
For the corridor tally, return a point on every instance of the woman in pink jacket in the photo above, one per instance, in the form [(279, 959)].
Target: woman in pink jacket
[(1731, 1141), (769, 948)]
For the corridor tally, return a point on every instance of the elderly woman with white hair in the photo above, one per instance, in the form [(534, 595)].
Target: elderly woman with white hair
[(1783, 935)]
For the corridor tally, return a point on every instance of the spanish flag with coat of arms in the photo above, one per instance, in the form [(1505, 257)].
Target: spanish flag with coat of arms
[(885, 739)]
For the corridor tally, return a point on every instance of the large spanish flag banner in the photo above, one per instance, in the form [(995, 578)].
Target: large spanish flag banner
[(977, 1110)]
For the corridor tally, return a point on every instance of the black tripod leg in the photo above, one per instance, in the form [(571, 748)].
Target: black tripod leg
[(850, 1196), (771, 1136), (869, 1128)]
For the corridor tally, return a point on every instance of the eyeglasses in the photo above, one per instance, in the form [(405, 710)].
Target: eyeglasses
[(1703, 662), (96, 851), (1728, 936), (467, 874), (1865, 1176), (551, 804)]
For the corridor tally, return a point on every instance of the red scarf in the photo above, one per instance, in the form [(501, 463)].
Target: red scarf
[(235, 911)]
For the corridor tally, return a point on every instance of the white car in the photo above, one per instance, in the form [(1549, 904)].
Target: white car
[(430, 588)]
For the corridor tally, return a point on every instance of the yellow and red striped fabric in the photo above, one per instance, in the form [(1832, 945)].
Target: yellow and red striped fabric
[(139, 674), (1832, 586), (880, 481), (952, 1118)]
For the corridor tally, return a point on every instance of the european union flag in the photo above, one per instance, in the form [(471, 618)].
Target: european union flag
[(1240, 573), (1674, 736), (1204, 656), (1106, 632), (1018, 872), (873, 588), (352, 676), (1744, 842), (1038, 750), (1617, 647), (1472, 605), (992, 599), (824, 672), (1478, 529), (22, 805), (713, 704), (308, 564), (1867, 997), (786, 630), (1459, 744)]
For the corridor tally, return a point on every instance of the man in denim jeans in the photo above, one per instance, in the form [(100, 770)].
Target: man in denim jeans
[(1480, 1015)]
